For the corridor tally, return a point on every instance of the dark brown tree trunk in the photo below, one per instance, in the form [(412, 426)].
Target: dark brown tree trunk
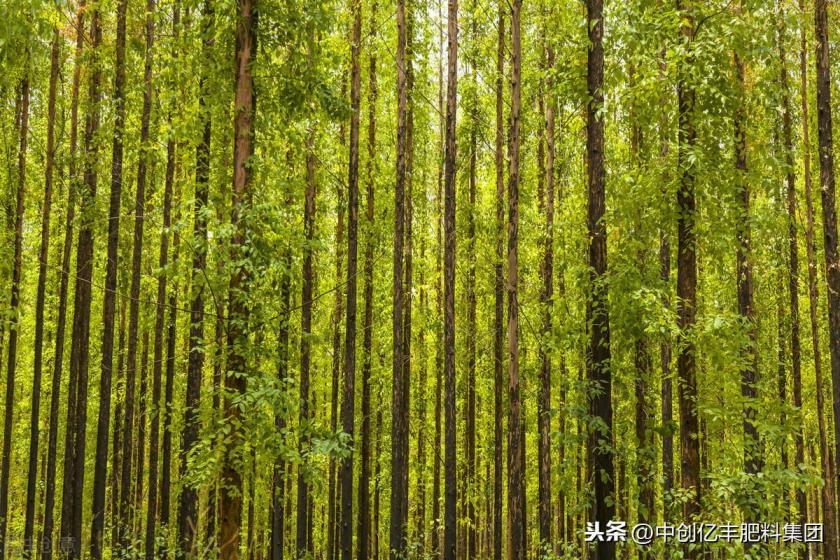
[(499, 295), (793, 262), (666, 390), (826, 157), (753, 454), (303, 530), (61, 318), (188, 504), (282, 475), (601, 469), (516, 429), (14, 311), (126, 473), (687, 279), (43, 255), (399, 396), (438, 455), (367, 343), (348, 399), (116, 445), (218, 358), (546, 300), (377, 473), (338, 313), (827, 466), (160, 319), (469, 533), (450, 464), (110, 296), (236, 375), (71, 520), (422, 384)]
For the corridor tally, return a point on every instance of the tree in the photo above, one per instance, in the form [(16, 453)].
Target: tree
[(236, 375), (601, 468)]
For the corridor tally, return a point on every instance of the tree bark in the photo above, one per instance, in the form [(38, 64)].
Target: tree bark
[(826, 157), (601, 469), (516, 429), (237, 367), (687, 279), (367, 343), (827, 492), (61, 318), (43, 256), (71, 519), (14, 310), (110, 296), (188, 503), (348, 399), (399, 394), (450, 467), (546, 300), (499, 294)]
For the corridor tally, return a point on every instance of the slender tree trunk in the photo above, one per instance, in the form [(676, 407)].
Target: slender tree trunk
[(499, 294), (687, 280), (110, 296), (546, 299), (71, 520), (303, 537), (14, 311), (43, 255), (187, 507), (116, 445), (516, 429), (370, 245), (348, 399), (236, 376), (601, 468), (827, 492), (450, 465), (826, 157), (61, 318), (399, 396), (753, 455), (281, 475), (793, 262), (126, 472)]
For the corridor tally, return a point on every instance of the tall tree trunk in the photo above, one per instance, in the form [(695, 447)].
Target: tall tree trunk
[(499, 294), (687, 278), (303, 535), (827, 491), (116, 445), (793, 261), (367, 343), (188, 502), (109, 302), (516, 429), (399, 396), (753, 455), (546, 300), (469, 413), (826, 157), (43, 255), (126, 473), (160, 318), (61, 318), (601, 469), (348, 399), (236, 375), (450, 465), (281, 476), (71, 519), (14, 311)]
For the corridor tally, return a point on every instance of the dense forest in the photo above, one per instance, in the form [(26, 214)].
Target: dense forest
[(411, 279)]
